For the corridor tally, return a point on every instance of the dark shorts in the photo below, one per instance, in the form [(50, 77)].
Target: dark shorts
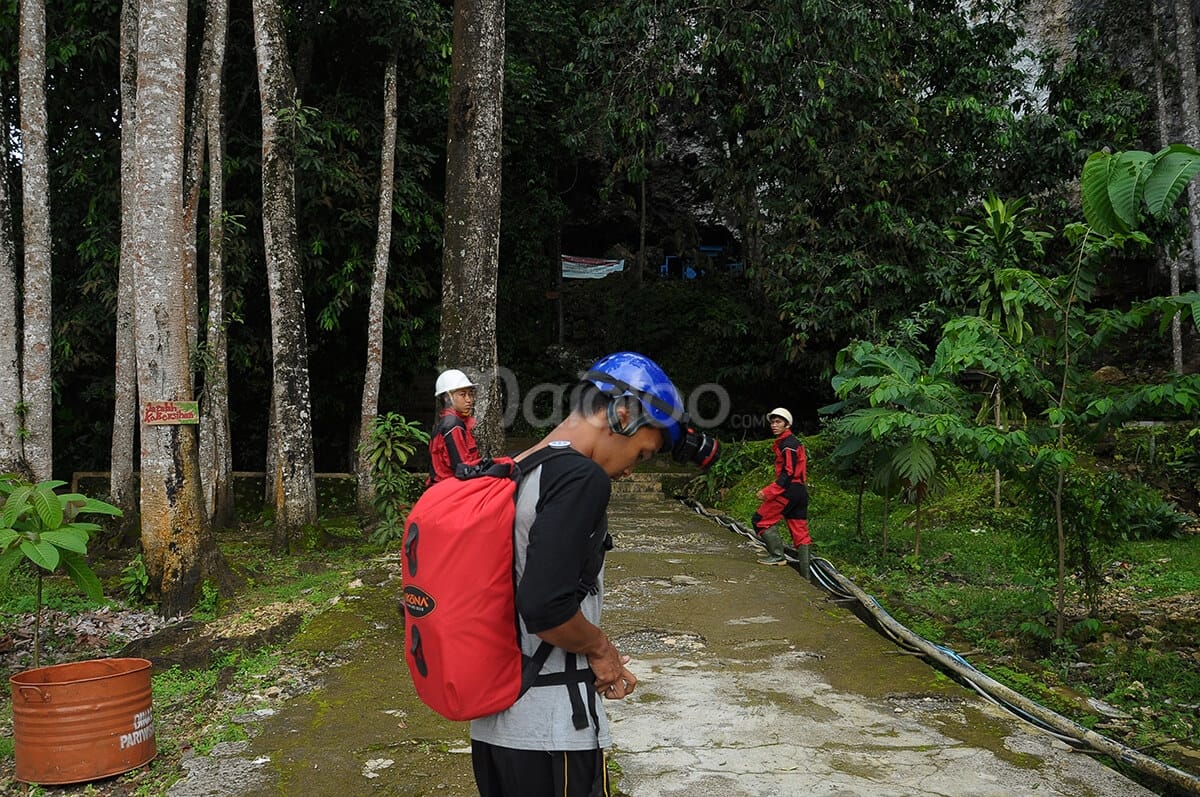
[(504, 772)]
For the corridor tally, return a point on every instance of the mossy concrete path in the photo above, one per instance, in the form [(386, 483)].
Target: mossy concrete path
[(751, 683)]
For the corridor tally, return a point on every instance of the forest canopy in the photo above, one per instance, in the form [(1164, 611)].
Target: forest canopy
[(814, 164)]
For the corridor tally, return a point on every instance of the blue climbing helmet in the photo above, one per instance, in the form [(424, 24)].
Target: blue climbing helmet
[(627, 373)]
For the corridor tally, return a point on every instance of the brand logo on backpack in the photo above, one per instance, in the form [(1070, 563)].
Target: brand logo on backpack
[(418, 602)]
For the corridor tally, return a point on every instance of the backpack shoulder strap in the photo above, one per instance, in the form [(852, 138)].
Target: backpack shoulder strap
[(574, 674), (539, 457)]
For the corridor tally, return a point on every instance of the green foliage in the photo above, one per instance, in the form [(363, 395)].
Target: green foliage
[(135, 581), (701, 331), (1103, 510), (1115, 186), (392, 442), (39, 527), (899, 407), (208, 608), (735, 461), (177, 685)]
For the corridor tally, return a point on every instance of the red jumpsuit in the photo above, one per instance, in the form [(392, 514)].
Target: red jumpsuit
[(452, 442), (786, 498)]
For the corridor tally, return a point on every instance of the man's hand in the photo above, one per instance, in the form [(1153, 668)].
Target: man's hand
[(621, 686), (577, 635)]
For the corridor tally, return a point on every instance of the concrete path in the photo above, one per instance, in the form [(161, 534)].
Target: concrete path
[(752, 683)]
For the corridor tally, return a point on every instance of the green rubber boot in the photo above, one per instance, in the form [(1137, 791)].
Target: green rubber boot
[(774, 544), (802, 556)]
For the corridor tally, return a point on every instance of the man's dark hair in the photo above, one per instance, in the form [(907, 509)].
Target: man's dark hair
[(587, 399)]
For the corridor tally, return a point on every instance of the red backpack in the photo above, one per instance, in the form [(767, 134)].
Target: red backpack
[(463, 650)]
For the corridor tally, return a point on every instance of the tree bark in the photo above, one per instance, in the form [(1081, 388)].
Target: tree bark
[(292, 479), (472, 226), (640, 271), (12, 456), (1186, 59), (216, 457), (177, 541), (383, 245), (36, 387), (120, 482), (193, 179), (996, 480), (1168, 259)]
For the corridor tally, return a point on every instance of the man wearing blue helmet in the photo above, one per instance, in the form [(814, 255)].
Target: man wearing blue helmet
[(550, 742)]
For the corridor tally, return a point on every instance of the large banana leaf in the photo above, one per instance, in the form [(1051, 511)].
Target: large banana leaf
[(1125, 179), (1174, 168), (1093, 191)]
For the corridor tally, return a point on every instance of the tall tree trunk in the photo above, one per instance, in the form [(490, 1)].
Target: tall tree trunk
[(640, 272), (12, 457), (858, 505), (556, 264), (36, 387), (272, 456), (752, 231), (1168, 258), (472, 227), (1186, 57), (193, 180), (216, 457), (383, 245), (293, 478), (1060, 584), (887, 500), (120, 481), (996, 481), (177, 541)]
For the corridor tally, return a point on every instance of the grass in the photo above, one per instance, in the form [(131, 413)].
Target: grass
[(983, 587)]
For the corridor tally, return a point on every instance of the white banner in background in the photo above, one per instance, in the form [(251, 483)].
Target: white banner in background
[(589, 268)]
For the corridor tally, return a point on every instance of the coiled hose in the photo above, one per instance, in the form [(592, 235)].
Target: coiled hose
[(846, 592)]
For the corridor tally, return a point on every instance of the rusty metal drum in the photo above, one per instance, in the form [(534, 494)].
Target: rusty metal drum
[(82, 721)]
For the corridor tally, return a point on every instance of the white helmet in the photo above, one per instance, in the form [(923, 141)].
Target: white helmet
[(780, 412), (451, 380)]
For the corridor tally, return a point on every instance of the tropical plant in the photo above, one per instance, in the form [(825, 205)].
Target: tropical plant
[(893, 399), (39, 526), (135, 581), (392, 443), (1118, 189), (902, 417), (711, 486)]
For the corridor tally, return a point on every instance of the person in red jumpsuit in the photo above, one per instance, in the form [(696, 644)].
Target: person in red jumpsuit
[(786, 498), (452, 441)]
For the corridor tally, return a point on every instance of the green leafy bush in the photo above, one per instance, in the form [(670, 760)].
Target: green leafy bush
[(208, 608), (392, 443), (38, 527), (135, 581), (1101, 510)]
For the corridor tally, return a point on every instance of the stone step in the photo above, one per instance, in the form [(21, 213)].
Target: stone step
[(643, 487), (638, 483), (638, 499), (623, 486)]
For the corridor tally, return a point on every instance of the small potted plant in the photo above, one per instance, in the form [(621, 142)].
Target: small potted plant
[(82, 720)]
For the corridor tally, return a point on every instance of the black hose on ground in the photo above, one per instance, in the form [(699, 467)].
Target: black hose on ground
[(844, 591)]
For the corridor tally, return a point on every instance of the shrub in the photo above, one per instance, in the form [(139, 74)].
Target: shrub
[(392, 442)]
